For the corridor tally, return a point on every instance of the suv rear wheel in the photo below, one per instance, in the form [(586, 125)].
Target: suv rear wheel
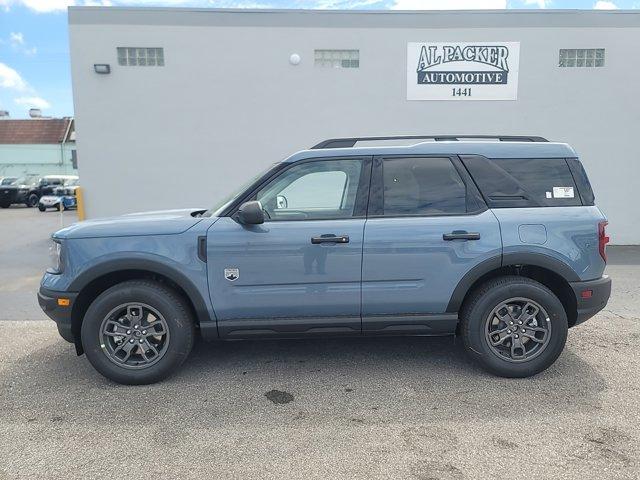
[(137, 332), (514, 326)]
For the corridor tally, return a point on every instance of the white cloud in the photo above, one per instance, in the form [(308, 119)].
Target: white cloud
[(449, 4), (539, 3), (18, 43), (16, 38), (33, 102), (9, 78), (44, 6), (602, 5), (40, 6), (321, 4), (47, 6)]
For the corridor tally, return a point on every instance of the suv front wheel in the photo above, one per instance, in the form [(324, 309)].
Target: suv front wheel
[(137, 332), (514, 326)]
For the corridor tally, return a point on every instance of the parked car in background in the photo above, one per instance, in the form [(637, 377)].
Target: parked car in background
[(63, 197), (21, 190), (48, 183), (7, 180), (68, 187), (499, 242), (29, 189)]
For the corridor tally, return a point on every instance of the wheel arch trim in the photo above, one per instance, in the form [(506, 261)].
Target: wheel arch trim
[(508, 259), (152, 266)]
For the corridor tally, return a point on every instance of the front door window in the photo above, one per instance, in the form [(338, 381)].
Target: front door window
[(322, 190)]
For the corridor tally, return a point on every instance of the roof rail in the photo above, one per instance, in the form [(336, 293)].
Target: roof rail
[(351, 141)]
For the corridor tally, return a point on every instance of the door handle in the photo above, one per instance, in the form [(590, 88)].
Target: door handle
[(461, 235), (330, 238)]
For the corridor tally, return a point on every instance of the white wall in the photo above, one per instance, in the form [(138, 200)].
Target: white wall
[(228, 103)]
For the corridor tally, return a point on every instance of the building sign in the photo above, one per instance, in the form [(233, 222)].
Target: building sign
[(462, 71)]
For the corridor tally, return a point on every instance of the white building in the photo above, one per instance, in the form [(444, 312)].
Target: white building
[(197, 101)]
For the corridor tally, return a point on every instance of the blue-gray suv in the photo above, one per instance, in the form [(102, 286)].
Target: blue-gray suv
[(497, 240)]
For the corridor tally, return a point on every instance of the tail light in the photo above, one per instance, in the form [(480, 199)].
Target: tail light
[(603, 239)]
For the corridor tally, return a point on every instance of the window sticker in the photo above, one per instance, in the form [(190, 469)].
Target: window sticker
[(563, 192)]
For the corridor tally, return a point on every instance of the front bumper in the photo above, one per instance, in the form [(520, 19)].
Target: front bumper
[(8, 196), (61, 314), (49, 201), (600, 292)]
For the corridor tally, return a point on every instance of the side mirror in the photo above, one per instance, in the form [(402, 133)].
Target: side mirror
[(251, 213), (281, 201)]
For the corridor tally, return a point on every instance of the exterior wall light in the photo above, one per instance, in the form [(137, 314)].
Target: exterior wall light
[(294, 59), (102, 68)]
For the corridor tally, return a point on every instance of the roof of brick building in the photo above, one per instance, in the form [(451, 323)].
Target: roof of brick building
[(36, 131)]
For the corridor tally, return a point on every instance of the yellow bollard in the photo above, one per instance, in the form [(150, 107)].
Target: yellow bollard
[(80, 203)]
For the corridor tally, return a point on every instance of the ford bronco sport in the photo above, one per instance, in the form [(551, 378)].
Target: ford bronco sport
[(497, 240)]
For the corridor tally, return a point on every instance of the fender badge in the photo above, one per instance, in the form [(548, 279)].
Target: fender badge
[(231, 274)]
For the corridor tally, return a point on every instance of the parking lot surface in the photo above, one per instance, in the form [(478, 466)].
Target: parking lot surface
[(340, 408)]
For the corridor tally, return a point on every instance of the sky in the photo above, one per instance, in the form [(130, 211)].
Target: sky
[(34, 51)]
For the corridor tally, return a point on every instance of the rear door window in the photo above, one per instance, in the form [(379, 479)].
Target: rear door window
[(422, 186), (530, 182)]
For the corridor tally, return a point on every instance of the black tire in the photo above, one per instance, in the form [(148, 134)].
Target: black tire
[(170, 305), (32, 200), (5, 205), (42, 208), (475, 322)]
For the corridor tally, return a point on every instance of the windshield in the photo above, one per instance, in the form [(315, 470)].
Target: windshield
[(26, 181), (73, 182), (219, 207)]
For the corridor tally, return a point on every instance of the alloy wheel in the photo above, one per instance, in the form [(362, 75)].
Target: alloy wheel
[(134, 335), (518, 329)]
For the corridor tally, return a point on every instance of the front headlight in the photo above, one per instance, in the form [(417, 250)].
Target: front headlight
[(55, 257)]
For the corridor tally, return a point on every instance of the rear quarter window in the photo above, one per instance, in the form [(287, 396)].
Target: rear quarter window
[(530, 182), (582, 181)]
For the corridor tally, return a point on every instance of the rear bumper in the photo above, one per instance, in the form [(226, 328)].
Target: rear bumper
[(600, 292), (48, 300)]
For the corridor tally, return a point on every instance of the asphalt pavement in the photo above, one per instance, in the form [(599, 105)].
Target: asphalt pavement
[(341, 408)]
